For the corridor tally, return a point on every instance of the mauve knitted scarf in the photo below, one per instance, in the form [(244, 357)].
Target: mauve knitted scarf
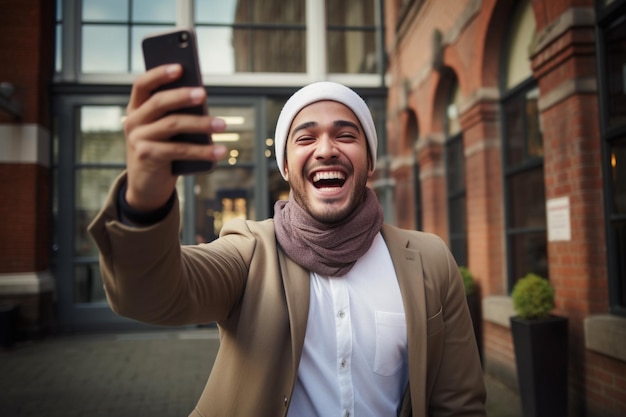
[(327, 249)]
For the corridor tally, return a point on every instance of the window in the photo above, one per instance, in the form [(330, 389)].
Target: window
[(111, 32), (351, 37), (455, 179), (525, 200), (99, 159), (612, 62), (241, 42), (251, 36)]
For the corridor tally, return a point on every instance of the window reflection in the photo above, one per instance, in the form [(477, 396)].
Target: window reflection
[(616, 72), (92, 188), (226, 194), (218, 11), (352, 52), (100, 139), (110, 10), (104, 49), (111, 39), (251, 36), (239, 135), (154, 11), (216, 51), (351, 37), (88, 286), (618, 177)]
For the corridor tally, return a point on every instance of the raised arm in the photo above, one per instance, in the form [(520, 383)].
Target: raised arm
[(149, 125)]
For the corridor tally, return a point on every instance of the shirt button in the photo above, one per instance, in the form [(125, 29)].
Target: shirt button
[(342, 314), (343, 363), (285, 400)]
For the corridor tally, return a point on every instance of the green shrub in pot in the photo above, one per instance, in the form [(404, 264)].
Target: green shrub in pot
[(468, 280), (533, 297)]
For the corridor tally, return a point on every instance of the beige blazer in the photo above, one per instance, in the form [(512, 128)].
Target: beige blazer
[(259, 299)]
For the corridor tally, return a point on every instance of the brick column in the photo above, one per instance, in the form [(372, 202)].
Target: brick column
[(26, 47), (483, 173), (564, 65)]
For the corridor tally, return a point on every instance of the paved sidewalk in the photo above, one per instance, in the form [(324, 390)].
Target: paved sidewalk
[(157, 374)]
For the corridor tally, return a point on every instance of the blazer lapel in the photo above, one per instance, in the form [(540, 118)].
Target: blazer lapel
[(297, 293), (407, 262)]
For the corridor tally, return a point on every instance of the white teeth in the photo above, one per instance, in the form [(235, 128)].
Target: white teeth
[(334, 175)]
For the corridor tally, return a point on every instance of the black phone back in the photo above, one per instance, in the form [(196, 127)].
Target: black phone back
[(179, 46)]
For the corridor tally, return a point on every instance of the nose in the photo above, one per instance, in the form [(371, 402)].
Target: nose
[(326, 148)]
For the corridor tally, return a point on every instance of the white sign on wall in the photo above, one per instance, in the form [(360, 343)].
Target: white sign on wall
[(559, 226)]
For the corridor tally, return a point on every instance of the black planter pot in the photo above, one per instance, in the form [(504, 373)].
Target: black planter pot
[(541, 354), (473, 303)]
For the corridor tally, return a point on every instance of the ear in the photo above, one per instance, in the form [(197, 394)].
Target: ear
[(370, 166), (286, 169)]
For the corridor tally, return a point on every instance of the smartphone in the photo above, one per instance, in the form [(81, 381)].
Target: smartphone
[(180, 46)]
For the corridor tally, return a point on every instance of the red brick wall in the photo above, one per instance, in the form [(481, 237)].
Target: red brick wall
[(26, 51), (605, 385), (26, 54), (565, 68), (24, 224)]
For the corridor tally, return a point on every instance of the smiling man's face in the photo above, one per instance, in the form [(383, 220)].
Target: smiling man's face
[(327, 163)]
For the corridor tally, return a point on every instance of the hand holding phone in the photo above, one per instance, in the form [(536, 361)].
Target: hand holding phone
[(180, 46)]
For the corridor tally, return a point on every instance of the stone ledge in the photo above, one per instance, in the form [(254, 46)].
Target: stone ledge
[(498, 309), (606, 334), (26, 283)]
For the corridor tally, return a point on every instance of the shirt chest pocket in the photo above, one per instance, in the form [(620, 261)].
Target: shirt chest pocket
[(390, 342)]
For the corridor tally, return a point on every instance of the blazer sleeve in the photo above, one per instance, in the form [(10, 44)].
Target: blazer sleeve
[(148, 276)]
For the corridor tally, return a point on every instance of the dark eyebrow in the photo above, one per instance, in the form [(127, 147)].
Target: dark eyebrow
[(346, 123), (336, 123), (303, 126)]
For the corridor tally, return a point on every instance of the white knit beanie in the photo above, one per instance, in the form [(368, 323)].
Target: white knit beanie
[(319, 91)]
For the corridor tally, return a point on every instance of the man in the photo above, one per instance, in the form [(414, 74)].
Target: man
[(322, 310)]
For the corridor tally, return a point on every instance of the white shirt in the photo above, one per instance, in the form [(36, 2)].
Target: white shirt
[(354, 360)]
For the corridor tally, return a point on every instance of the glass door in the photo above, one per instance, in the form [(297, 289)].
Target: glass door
[(89, 153)]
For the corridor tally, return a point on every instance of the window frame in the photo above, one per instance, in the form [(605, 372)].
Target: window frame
[(607, 17), (316, 61)]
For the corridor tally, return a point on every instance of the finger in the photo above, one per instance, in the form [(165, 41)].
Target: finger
[(165, 102), (162, 153), (146, 83), (174, 124)]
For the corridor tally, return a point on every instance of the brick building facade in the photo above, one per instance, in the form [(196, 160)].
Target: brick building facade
[(460, 73), (26, 53), (479, 48)]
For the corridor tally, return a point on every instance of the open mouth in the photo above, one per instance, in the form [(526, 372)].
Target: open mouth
[(328, 179)]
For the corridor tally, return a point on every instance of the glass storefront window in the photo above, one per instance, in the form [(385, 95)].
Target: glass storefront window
[(618, 176), (105, 49), (239, 135), (524, 138), (528, 253), (251, 37), (219, 12), (527, 205), (351, 37), (151, 11), (352, 52), (88, 286), (108, 11), (101, 139), (226, 194), (615, 44), (112, 32), (57, 41), (92, 188), (235, 37)]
